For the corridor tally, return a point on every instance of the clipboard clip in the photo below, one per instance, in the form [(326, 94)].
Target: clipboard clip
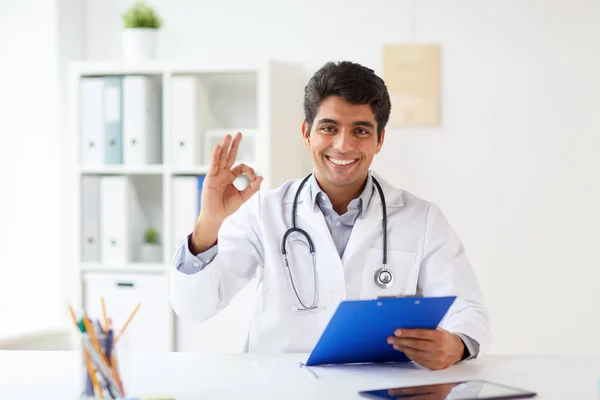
[(399, 296)]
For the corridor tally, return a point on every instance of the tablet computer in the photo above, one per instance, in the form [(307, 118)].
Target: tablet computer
[(463, 390)]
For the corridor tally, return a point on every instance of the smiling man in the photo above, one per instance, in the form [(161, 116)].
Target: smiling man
[(335, 213)]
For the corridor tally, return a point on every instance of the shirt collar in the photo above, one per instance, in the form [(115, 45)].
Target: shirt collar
[(316, 192)]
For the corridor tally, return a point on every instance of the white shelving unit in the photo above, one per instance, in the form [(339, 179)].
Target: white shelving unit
[(264, 102)]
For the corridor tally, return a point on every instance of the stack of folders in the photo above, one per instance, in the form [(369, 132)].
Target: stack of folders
[(121, 120), (102, 378)]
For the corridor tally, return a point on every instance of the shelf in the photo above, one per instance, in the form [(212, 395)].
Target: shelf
[(155, 67), (201, 102), (131, 267), (122, 170), (194, 170)]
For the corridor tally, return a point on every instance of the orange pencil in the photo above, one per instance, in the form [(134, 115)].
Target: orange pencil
[(96, 344), (92, 374), (88, 362), (115, 368), (104, 314), (127, 323), (73, 317)]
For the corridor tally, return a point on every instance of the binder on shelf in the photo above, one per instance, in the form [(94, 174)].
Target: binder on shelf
[(92, 120), (186, 106), (200, 180), (90, 218), (187, 193), (121, 220), (113, 120), (142, 120)]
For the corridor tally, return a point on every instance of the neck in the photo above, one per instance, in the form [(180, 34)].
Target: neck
[(341, 196)]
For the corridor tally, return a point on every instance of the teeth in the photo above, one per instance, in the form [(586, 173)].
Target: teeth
[(341, 162)]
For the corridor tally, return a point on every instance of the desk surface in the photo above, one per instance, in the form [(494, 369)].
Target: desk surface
[(195, 376)]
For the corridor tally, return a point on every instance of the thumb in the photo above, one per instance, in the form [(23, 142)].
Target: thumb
[(252, 188)]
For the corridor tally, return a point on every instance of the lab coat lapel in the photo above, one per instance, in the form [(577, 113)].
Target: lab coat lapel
[(365, 228), (369, 228), (311, 219)]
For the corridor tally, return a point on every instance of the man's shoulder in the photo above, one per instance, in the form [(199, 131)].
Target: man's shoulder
[(400, 197), (282, 193)]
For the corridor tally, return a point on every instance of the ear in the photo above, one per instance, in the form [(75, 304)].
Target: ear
[(380, 141), (306, 134)]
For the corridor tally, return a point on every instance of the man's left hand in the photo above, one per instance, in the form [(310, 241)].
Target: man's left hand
[(434, 349)]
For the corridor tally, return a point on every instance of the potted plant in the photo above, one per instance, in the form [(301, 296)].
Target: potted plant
[(151, 250), (140, 34)]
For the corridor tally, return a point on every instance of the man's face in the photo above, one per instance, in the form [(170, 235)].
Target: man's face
[(343, 142)]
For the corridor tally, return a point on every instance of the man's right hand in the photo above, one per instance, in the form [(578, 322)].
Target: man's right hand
[(220, 198)]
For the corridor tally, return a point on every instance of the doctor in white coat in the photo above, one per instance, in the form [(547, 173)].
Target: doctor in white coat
[(339, 207)]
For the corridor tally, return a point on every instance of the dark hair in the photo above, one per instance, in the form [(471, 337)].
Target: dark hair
[(354, 83)]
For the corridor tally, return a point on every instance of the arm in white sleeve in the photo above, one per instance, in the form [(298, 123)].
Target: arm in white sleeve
[(446, 271), (189, 263), (200, 291)]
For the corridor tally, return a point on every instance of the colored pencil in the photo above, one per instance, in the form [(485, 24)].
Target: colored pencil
[(127, 323), (106, 327)]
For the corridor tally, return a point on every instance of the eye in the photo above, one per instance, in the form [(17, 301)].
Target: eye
[(362, 131), (328, 129)]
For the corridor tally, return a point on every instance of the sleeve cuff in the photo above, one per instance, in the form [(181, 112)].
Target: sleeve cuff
[(471, 346), (190, 263)]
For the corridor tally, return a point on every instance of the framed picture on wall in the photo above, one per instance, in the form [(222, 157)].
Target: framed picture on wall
[(412, 75)]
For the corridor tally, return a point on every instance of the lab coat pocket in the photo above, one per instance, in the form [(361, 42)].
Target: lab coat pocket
[(403, 267)]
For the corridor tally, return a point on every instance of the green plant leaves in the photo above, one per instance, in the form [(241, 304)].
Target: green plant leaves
[(140, 15)]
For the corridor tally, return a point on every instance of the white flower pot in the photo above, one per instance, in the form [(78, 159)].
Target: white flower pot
[(150, 253), (139, 44)]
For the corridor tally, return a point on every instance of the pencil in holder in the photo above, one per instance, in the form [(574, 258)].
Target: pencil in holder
[(100, 377)]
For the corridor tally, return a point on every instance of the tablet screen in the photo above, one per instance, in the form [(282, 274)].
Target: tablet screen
[(465, 390)]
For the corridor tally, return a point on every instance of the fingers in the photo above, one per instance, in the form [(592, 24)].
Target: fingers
[(423, 358), (417, 344), (424, 334), (255, 180), (419, 339), (252, 188), (223, 157), (430, 360), (243, 169), (234, 149), (224, 151), (214, 162)]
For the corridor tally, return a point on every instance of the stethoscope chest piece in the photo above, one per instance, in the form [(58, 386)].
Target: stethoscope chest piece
[(383, 278)]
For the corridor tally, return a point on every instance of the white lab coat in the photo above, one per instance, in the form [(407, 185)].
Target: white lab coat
[(424, 254)]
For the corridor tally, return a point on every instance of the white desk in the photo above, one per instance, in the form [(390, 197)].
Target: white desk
[(45, 375)]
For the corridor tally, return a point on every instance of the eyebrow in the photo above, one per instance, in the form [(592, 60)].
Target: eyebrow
[(355, 123)]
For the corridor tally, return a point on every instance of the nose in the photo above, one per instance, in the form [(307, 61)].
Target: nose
[(344, 141)]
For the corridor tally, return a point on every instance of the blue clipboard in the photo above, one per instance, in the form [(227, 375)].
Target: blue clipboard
[(358, 330)]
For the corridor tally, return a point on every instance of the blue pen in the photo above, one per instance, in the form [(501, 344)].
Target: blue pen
[(108, 351), (108, 345)]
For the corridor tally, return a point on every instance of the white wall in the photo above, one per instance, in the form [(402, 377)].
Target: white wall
[(514, 163), (30, 273), (37, 40)]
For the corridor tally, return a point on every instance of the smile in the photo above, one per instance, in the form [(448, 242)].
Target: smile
[(337, 161)]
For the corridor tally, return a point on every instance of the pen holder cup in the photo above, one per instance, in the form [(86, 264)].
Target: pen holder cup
[(101, 369)]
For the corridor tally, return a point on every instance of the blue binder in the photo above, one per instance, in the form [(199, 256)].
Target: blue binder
[(358, 330), (200, 184)]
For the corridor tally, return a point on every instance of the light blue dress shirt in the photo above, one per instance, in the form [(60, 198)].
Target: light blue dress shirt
[(340, 227)]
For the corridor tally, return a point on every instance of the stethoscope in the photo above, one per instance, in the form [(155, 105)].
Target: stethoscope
[(383, 276)]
